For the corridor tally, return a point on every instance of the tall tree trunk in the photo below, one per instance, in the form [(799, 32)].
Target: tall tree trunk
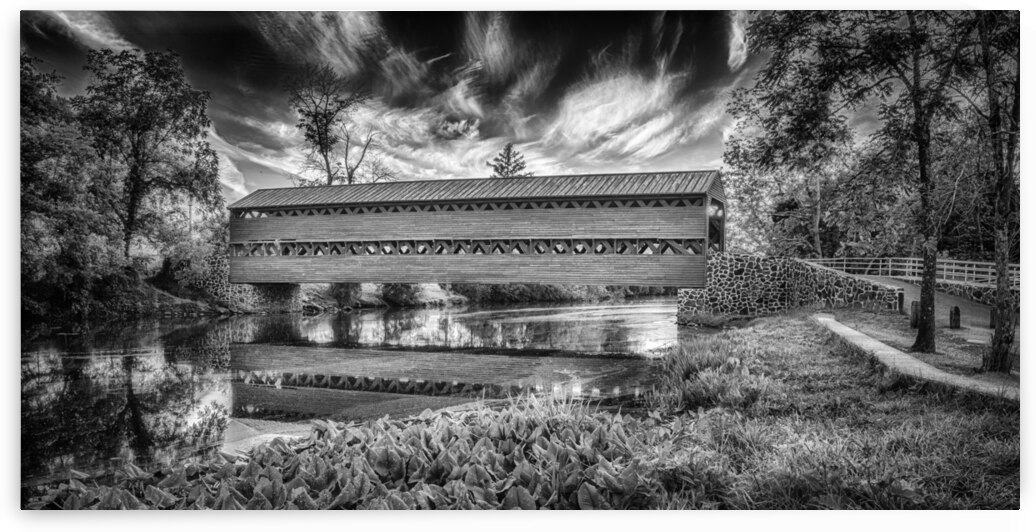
[(922, 132), (134, 195), (816, 222), (925, 341), (998, 358)]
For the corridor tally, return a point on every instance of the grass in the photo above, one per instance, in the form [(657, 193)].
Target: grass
[(954, 352), (837, 433), (772, 416)]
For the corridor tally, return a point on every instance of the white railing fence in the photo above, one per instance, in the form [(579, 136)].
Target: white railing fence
[(911, 267)]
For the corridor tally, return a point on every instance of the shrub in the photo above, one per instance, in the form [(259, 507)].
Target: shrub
[(710, 371), (531, 454)]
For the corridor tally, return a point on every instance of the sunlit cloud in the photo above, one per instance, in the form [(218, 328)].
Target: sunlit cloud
[(232, 179), (625, 116), (288, 161), (339, 39), (738, 44), (640, 96), (92, 30)]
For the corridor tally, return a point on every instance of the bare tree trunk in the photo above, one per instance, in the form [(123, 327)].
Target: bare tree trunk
[(327, 168)]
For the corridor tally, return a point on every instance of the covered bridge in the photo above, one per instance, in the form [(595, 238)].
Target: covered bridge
[(651, 229)]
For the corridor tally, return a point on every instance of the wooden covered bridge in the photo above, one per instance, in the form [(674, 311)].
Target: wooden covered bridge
[(652, 229)]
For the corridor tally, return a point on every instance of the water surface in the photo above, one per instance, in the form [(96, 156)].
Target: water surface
[(160, 392)]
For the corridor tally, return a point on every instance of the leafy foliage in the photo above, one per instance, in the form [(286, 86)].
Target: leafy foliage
[(823, 65), (508, 163), (127, 160), (530, 455), (149, 123), (67, 255), (823, 432)]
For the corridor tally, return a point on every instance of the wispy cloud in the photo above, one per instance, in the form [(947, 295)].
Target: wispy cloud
[(92, 30), (340, 39), (288, 161), (232, 179), (738, 43)]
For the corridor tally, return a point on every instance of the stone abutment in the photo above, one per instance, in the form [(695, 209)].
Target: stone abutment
[(750, 285)]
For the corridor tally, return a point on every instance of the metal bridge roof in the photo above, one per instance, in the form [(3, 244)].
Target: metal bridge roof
[(512, 188)]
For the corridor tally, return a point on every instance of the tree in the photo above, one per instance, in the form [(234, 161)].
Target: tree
[(997, 60), (323, 101), (772, 167), (66, 252), (508, 163), (833, 62), (151, 126)]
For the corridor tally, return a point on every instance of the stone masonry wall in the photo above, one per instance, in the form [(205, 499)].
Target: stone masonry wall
[(979, 293), (750, 285), (249, 298)]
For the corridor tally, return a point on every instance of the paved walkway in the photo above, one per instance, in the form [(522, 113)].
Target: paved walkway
[(974, 317), (905, 364), (972, 314)]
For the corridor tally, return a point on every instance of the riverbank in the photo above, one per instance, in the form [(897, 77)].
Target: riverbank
[(774, 415), (148, 299)]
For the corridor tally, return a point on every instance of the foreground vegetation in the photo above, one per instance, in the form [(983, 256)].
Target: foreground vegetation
[(774, 415)]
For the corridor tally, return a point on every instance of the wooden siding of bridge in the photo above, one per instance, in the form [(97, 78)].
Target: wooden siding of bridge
[(641, 222), (637, 270), (621, 210)]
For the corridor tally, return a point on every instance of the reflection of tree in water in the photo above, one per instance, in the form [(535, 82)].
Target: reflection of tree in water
[(83, 409), (277, 329)]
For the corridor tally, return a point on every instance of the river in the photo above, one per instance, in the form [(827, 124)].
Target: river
[(166, 391)]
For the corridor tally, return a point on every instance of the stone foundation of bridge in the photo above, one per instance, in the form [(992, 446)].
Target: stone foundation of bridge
[(249, 298), (749, 285)]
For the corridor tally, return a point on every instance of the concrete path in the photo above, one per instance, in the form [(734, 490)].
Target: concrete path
[(974, 317), (905, 364), (972, 314)]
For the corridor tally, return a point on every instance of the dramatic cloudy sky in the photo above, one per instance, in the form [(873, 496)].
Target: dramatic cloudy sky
[(576, 92)]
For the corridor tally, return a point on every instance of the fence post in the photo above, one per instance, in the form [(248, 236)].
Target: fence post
[(955, 318), (915, 310)]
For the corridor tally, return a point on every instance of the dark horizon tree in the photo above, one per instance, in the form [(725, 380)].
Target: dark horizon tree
[(509, 163), (323, 100)]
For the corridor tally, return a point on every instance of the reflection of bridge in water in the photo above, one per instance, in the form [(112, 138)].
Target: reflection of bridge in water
[(347, 364), (150, 393), (467, 374)]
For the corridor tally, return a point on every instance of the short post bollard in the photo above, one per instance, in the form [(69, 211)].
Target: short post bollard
[(992, 318), (915, 311), (955, 318), (902, 297)]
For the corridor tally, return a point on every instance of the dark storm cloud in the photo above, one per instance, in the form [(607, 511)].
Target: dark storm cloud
[(608, 91)]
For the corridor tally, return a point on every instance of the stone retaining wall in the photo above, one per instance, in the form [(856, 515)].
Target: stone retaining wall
[(249, 298), (979, 293), (750, 285)]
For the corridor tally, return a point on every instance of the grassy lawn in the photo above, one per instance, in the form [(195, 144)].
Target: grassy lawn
[(774, 415), (958, 351)]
